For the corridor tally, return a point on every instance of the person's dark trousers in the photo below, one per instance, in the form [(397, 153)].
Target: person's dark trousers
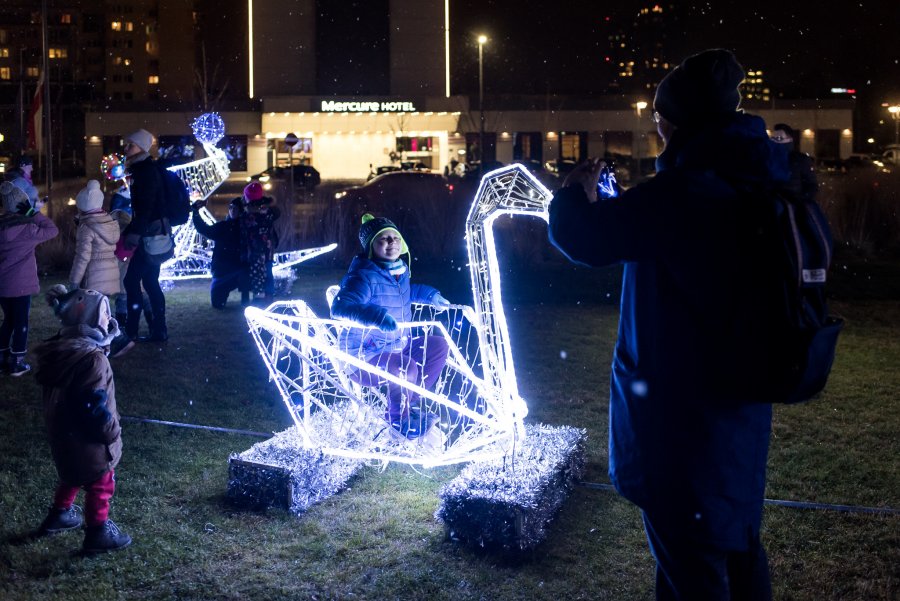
[(14, 330), (690, 571), (141, 272), (222, 285), (420, 363)]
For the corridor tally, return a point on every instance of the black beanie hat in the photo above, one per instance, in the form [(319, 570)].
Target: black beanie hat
[(371, 227), (703, 87)]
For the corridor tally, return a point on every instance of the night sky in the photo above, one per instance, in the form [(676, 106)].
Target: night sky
[(805, 48)]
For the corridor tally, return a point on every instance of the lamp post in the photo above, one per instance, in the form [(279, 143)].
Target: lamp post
[(895, 114), (639, 106), (482, 39)]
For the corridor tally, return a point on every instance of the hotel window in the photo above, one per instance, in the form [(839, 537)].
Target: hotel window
[(5, 73), (65, 18), (154, 79), (32, 72), (129, 26), (58, 52), (4, 52), (116, 26)]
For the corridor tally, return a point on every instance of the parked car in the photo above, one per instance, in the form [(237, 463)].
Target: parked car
[(305, 176), (398, 184), (402, 166)]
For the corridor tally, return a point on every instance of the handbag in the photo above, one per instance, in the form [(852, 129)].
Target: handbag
[(159, 248)]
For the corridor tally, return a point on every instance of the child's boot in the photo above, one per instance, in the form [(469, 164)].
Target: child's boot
[(60, 520), (104, 537), (17, 365)]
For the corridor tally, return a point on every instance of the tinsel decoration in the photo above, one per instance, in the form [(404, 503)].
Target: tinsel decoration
[(506, 504), (279, 472), (113, 166), (208, 128)]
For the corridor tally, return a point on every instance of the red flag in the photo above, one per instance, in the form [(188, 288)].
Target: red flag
[(35, 117)]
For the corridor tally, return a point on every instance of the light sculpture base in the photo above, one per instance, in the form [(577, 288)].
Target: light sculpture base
[(506, 504), (280, 473)]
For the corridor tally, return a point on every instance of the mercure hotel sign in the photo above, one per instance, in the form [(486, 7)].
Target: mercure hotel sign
[(368, 106)]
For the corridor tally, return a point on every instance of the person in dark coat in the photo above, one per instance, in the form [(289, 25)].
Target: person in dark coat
[(82, 420), (229, 271), (259, 239), (377, 292), (147, 206), (685, 444), (803, 183)]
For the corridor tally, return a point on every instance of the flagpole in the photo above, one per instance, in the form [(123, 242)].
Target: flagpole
[(45, 19)]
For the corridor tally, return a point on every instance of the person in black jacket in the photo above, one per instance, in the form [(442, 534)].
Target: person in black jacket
[(686, 445), (147, 205), (228, 269), (803, 182)]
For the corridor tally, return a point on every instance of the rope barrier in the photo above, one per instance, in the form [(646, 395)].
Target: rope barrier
[(147, 420), (592, 485), (792, 504)]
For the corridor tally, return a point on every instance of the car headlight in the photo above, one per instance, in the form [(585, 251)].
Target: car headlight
[(267, 186), (338, 195)]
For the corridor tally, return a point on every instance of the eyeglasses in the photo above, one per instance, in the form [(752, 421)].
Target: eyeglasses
[(655, 117), (781, 139)]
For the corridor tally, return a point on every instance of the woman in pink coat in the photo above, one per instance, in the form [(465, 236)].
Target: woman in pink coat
[(22, 228)]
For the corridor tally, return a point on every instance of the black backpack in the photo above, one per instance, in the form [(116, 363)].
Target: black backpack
[(795, 345), (176, 198)]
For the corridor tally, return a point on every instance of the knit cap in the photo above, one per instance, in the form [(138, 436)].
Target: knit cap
[(79, 306), (702, 88), (372, 226), (90, 197), (143, 139), (13, 194), (253, 192)]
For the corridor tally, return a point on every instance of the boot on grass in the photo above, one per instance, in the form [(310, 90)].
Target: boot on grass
[(103, 538), (17, 366), (60, 520)]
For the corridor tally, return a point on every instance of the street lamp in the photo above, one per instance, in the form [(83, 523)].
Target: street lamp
[(482, 40), (639, 106), (895, 113)]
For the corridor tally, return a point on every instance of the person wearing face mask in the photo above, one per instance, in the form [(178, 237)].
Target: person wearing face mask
[(802, 183), (377, 292)]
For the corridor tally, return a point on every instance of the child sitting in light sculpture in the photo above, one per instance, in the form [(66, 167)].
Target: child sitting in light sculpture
[(377, 292)]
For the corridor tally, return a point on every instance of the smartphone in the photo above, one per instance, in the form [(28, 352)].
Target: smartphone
[(606, 186)]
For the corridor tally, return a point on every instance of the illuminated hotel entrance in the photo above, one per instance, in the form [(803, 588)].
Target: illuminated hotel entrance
[(352, 138)]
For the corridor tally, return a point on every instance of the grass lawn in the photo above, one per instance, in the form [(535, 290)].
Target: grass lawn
[(379, 539)]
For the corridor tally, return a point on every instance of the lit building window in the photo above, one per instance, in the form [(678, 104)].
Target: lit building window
[(4, 52), (65, 18), (129, 26), (58, 52), (32, 71), (117, 60), (5, 73), (116, 25), (154, 79)]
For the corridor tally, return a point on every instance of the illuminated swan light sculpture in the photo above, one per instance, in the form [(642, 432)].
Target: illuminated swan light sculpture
[(193, 252), (475, 399)]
